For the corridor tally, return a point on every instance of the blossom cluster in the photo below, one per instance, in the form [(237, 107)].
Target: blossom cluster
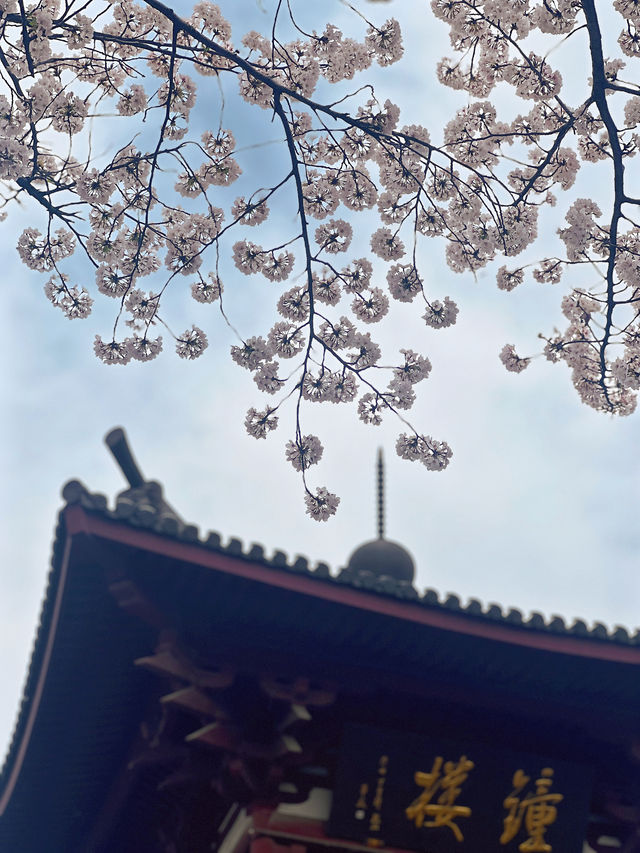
[(558, 139), (479, 189), (68, 61)]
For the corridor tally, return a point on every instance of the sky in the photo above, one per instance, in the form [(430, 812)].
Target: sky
[(538, 509)]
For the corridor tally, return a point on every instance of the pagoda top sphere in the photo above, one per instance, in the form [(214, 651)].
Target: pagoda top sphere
[(383, 559)]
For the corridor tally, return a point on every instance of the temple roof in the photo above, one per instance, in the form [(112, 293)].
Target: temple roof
[(139, 557), (137, 512)]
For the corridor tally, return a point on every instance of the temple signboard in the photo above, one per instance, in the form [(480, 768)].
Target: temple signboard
[(397, 789)]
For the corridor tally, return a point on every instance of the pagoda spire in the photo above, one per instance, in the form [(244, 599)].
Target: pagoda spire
[(380, 466)]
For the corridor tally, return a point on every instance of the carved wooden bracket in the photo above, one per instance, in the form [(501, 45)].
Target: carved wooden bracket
[(249, 730)]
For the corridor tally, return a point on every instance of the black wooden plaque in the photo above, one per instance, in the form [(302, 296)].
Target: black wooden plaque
[(398, 789)]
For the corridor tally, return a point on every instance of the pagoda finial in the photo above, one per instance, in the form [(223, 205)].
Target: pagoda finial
[(380, 557), (380, 494)]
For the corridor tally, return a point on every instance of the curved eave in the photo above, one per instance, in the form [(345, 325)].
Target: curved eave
[(38, 666), (81, 522), (77, 709)]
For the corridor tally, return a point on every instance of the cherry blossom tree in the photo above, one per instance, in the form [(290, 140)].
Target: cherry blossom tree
[(157, 208)]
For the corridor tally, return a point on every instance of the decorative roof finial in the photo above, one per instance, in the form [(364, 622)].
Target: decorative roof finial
[(141, 492), (116, 441), (380, 494)]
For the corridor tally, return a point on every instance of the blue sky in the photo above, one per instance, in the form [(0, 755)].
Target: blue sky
[(538, 509)]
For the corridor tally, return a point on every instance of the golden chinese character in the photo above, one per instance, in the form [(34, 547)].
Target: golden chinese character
[(442, 812), (537, 809), (361, 804), (362, 799), (377, 801)]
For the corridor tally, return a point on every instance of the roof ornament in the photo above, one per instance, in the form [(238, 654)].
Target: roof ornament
[(116, 441), (380, 556), (141, 492)]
